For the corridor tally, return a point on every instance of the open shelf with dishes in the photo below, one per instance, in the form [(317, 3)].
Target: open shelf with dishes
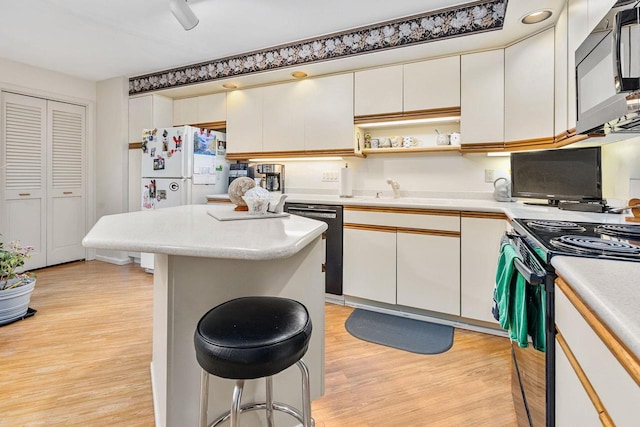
[(407, 138), (408, 135)]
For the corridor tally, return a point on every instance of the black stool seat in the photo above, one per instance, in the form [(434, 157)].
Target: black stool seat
[(252, 337)]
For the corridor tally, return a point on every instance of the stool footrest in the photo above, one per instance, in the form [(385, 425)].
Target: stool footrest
[(277, 406)]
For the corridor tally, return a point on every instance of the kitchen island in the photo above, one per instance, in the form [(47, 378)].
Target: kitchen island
[(201, 262)]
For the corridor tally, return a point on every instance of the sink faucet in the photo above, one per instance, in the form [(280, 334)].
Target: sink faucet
[(395, 187)]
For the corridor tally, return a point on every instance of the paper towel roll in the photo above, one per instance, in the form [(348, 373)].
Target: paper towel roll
[(346, 182)]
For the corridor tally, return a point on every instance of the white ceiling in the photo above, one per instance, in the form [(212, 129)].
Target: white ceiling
[(101, 39)]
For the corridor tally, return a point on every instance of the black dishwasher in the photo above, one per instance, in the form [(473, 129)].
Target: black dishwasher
[(332, 215)]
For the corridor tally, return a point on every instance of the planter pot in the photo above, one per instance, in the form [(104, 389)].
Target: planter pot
[(14, 303)]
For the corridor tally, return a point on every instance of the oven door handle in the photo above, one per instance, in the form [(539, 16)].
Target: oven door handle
[(529, 275)]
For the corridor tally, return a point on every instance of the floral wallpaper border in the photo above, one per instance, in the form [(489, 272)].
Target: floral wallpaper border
[(479, 16)]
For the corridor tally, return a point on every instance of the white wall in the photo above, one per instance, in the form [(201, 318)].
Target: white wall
[(111, 146), (38, 81), (438, 173), (111, 154), (620, 162)]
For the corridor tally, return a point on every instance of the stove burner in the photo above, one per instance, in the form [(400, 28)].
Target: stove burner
[(619, 230), (555, 225), (595, 246)]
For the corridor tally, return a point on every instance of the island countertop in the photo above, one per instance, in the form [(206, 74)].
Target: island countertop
[(190, 231)]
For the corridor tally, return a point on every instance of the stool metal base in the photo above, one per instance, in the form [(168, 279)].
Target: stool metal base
[(277, 406), (269, 405)]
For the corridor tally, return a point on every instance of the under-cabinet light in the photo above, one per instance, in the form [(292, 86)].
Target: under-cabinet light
[(498, 154), (230, 86), (410, 122), (299, 74), (293, 159)]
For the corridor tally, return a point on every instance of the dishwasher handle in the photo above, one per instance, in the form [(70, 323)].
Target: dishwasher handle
[(314, 213)]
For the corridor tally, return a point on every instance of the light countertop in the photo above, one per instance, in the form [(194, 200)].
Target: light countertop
[(190, 231), (511, 209), (610, 289)]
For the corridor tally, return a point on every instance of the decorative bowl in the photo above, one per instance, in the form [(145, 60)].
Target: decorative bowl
[(256, 205)]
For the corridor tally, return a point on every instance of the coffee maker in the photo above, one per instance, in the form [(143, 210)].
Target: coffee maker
[(270, 176)]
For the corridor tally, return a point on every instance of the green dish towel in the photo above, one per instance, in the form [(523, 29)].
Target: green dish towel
[(521, 306)]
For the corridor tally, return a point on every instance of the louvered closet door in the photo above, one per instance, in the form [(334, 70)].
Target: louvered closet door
[(66, 183), (23, 174)]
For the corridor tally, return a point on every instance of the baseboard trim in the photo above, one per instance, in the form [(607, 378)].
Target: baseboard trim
[(414, 314), (112, 260)]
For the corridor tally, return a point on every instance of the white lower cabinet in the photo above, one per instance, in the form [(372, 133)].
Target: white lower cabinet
[(428, 275), (479, 251), (370, 264), (409, 257), (612, 390), (573, 406)]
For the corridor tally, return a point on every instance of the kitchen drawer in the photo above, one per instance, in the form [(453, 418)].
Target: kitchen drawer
[(404, 218), (614, 386)]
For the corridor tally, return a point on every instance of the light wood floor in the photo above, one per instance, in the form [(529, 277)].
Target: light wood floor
[(83, 360)]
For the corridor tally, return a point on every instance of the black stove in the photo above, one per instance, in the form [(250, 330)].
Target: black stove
[(608, 241)]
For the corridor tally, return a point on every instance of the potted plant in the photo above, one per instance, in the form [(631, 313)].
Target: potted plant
[(15, 288)]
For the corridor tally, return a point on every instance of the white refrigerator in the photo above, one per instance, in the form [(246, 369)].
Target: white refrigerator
[(180, 166)]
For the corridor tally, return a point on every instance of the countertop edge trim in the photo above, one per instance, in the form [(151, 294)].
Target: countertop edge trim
[(240, 254)]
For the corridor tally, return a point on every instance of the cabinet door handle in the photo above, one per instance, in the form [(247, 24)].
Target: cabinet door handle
[(25, 194), (324, 267), (324, 236), (67, 192)]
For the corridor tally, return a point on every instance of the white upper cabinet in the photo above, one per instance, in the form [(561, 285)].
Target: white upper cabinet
[(149, 111), (577, 31), (432, 84), (283, 117), (482, 97), (529, 88), (185, 111), (244, 120), (561, 74), (328, 118), (212, 108), (200, 109), (314, 114), (378, 91)]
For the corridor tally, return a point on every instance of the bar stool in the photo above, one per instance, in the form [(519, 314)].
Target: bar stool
[(249, 338)]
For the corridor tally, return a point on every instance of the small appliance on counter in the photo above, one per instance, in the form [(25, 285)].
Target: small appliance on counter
[(269, 176), (239, 170)]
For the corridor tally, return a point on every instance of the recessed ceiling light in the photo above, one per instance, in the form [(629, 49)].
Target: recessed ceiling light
[(230, 86), (537, 16), (299, 74)]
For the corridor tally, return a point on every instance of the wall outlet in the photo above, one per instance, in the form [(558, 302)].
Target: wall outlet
[(488, 175), (330, 176)]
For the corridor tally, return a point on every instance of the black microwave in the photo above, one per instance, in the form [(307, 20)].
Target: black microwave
[(608, 74)]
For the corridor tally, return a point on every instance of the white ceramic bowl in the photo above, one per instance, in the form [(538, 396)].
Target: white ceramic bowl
[(257, 206)]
